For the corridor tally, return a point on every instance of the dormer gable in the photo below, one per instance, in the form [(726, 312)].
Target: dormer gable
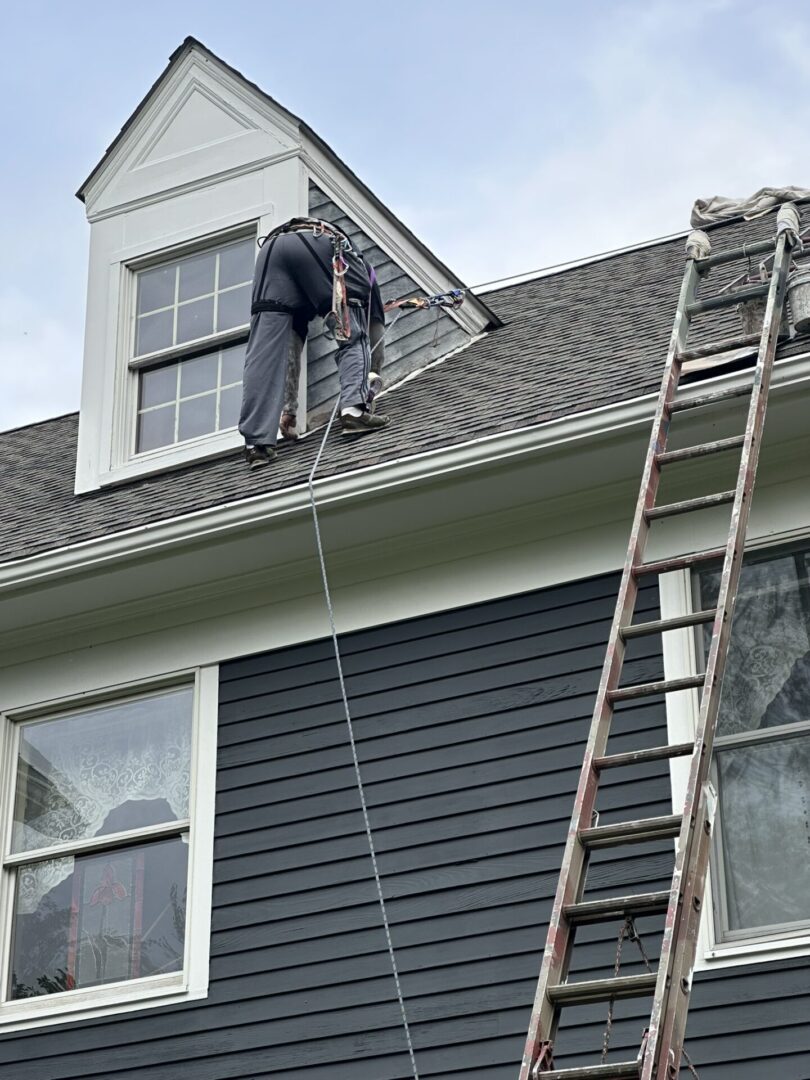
[(206, 164)]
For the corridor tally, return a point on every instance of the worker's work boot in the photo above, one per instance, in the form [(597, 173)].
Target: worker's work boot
[(287, 427), (257, 456), (363, 424)]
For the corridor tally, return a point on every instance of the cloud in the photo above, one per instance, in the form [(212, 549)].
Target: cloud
[(40, 362)]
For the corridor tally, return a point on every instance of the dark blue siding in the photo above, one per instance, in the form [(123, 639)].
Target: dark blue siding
[(418, 338), (470, 726)]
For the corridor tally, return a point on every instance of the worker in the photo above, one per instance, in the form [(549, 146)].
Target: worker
[(307, 268)]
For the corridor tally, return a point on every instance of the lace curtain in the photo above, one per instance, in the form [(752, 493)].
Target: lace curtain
[(764, 787), (86, 775)]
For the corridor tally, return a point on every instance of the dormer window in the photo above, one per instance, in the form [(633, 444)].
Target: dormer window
[(191, 318)]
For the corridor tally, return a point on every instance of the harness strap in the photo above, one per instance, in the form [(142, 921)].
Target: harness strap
[(270, 305)]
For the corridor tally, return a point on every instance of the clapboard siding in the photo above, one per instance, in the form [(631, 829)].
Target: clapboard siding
[(470, 727), (418, 338)]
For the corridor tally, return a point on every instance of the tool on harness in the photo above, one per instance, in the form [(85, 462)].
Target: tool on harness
[(452, 299)]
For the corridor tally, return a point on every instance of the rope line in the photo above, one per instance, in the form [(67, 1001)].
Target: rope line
[(350, 726)]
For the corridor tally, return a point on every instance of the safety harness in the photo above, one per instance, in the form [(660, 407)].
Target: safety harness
[(338, 319)]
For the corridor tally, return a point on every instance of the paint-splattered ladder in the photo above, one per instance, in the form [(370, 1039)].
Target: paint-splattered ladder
[(669, 988)]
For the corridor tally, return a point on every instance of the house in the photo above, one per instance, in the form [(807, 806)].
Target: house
[(186, 889)]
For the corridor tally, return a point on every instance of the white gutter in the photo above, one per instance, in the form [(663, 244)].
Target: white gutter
[(243, 514)]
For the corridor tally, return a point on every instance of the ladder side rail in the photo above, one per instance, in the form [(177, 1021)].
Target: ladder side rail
[(674, 1029), (569, 890), (666, 1002)]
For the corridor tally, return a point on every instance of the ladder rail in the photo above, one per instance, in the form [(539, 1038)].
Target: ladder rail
[(542, 1027), (671, 1003)]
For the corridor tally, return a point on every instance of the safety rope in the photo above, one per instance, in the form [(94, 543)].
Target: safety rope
[(629, 932), (350, 726)]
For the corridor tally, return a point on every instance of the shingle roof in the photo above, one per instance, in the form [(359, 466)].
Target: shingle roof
[(592, 335)]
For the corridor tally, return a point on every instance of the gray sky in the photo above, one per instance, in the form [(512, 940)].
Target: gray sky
[(508, 135)]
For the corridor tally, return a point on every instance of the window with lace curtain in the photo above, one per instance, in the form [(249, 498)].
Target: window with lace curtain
[(96, 857), (761, 863)]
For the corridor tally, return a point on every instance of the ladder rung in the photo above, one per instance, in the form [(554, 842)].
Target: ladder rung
[(616, 1070), (638, 757), (679, 562), (709, 399), (689, 505), (631, 832), (729, 299), (648, 689), (748, 251), (585, 993), (616, 907), (722, 345), (701, 450), (660, 626)]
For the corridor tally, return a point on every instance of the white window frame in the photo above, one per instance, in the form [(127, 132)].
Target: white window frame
[(683, 708), (131, 366), (192, 982)]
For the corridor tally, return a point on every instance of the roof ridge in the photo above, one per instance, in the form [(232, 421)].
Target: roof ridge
[(38, 423)]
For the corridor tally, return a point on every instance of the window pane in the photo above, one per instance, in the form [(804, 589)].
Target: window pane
[(158, 385), (764, 807), (234, 308), (109, 769), (197, 276), (767, 679), (197, 416), (155, 428), (154, 332), (230, 403), (198, 375), (236, 263), (195, 320), (233, 365), (99, 918), (156, 288)]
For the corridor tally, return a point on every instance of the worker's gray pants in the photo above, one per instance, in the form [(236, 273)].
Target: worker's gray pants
[(272, 362)]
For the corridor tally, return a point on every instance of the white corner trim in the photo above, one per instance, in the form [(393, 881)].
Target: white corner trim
[(682, 714), (192, 983)]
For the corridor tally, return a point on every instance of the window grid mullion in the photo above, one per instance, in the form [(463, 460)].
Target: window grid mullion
[(176, 302)]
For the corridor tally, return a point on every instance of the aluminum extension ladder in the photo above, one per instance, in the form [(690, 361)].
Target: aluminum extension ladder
[(661, 1047)]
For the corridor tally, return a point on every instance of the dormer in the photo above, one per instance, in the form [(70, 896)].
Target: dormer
[(206, 165)]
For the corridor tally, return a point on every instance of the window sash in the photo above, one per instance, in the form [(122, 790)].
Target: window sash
[(724, 935), (96, 844), (191, 349), (175, 351)]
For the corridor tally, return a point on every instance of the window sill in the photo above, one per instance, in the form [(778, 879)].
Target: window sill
[(172, 457), (77, 1005), (738, 954)]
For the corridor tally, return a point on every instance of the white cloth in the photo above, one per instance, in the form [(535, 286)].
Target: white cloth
[(721, 208)]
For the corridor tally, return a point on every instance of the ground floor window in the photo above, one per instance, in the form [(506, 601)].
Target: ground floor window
[(96, 863)]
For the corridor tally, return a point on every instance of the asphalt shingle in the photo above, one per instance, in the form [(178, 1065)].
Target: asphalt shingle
[(589, 336)]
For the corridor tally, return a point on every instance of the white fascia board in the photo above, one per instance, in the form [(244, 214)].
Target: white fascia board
[(486, 451)]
